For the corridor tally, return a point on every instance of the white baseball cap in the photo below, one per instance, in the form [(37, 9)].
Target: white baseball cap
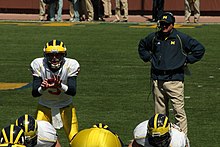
[(140, 132)]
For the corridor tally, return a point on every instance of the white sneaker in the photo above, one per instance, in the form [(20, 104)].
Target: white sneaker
[(71, 19), (116, 20)]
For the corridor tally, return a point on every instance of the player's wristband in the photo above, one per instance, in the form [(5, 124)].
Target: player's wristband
[(63, 87), (40, 90)]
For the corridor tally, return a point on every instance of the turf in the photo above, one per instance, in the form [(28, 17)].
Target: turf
[(113, 84)]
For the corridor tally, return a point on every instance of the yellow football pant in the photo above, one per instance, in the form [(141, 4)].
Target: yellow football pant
[(68, 116)]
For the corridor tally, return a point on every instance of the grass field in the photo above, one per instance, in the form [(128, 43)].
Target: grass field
[(113, 85)]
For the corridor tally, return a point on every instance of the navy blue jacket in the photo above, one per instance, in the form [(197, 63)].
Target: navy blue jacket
[(169, 55)]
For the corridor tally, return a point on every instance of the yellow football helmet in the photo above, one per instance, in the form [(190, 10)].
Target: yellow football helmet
[(97, 136), (29, 125), (54, 52), (12, 135), (158, 132)]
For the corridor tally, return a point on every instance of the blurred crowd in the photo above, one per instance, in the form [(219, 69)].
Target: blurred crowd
[(99, 10), (83, 10)]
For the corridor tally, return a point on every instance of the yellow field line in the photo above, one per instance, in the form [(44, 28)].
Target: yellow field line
[(7, 86)]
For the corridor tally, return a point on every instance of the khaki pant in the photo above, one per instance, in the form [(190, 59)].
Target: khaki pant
[(173, 91), (192, 5), (89, 11), (71, 10), (107, 7), (68, 116), (42, 10), (124, 8)]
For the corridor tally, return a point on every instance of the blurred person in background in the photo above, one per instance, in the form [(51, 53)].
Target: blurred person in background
[(55, 6), (89, 10), (107, 8), (43, 4), (192, 5), (121, 11), (71, 10), (74, 10), (42, 10), (98, 6), (157, 9)]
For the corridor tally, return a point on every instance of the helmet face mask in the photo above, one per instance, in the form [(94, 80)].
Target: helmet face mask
[(160, 141), (30, 141), (55, 60), (54, 52)]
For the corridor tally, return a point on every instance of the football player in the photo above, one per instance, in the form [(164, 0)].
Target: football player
[(98, 136), (158, 132), (38, 133), (12, 136), (54, 82)]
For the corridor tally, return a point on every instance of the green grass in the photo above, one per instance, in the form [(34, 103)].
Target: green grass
[(113, 84)]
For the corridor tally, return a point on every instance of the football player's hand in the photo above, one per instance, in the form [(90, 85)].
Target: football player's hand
[(45, 84), (57, 81)]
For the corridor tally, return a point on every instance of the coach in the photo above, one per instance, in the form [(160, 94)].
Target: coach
[(169, 51)]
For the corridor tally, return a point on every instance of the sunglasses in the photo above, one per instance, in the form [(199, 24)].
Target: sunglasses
[(164, 24)]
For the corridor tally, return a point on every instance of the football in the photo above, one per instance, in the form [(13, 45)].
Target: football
[(50, 81)]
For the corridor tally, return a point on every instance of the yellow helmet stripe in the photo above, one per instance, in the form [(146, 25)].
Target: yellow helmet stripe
[(105, 127), (5, 136), (18, 136), (11, 133), (155, 121), (61, 43), (47, 44), (100, 125), (165, 122), (54, 46), (16, 122), (26, 124), (54, 42), (35, 128)]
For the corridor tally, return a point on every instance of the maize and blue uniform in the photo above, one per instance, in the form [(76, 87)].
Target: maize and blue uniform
[(55, 105), (169, 56), (178, 138)]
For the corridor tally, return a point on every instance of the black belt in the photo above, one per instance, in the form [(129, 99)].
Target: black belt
[(168, 72)]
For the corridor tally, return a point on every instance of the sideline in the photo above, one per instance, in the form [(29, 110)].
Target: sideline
[(84, 24), (131, 18)]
